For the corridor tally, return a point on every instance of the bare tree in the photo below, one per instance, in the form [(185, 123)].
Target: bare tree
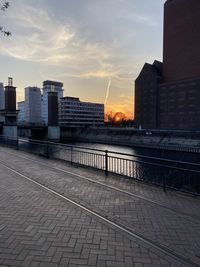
[(3, 6)]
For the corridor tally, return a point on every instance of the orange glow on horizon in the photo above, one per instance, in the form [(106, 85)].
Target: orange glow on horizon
[(125, 106), (128, 114)]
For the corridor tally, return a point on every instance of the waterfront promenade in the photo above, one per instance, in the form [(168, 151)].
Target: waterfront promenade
[(55, 214)]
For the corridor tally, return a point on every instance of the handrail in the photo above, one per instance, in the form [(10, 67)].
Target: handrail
[(168, 173), (112, 152), (103, 151)]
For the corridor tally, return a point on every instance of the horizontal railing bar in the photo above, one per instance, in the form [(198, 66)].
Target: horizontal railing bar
[(138, 156), (125, 154), (152, 171), (76, 148), (142, 162), (159, 165)]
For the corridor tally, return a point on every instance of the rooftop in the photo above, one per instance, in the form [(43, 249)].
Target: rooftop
[(54, 83)]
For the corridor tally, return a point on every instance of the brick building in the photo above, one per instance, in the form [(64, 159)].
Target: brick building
[(169, 97), (146, 90)]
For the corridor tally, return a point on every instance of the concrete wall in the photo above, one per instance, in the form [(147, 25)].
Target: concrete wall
[(54, 133), (10, 131), (131, 137)]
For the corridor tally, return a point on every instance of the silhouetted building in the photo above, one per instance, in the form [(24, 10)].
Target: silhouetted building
[(50, 86), (10, 96), (168, 97), (52, 108), (10, 112), (181, 57), (2, 100), (146, 95)]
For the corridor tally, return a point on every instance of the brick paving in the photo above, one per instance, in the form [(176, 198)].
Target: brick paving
[(38, 229)]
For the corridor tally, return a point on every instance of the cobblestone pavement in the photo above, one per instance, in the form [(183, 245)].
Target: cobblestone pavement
[(38, 229)]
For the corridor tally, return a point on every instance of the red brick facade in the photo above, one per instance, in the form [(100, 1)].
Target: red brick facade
[(170, 99), (181, 51)]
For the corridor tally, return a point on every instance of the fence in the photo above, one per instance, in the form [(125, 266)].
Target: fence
[(183, 176)]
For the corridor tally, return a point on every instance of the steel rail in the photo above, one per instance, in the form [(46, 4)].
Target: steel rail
[(153, 202), (106, 220), (121, 165)]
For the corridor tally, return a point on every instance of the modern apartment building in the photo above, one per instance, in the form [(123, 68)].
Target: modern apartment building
[(73, 112), (50, 86), (33, 113), (21, 114)]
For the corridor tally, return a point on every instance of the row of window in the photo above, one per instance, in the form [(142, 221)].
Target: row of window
[(80, 104), (80, 113), (81, 108), (80, 121)]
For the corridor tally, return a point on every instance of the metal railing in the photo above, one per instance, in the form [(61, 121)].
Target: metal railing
[(179, 175)]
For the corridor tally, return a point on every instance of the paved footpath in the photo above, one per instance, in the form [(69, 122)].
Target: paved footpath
[(39, 228)]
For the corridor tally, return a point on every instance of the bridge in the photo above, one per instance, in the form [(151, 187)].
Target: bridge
[(55, 213)]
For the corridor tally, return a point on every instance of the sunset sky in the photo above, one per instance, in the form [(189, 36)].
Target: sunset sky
[(95, 47)]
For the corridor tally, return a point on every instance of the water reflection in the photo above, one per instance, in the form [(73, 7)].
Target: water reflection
[(138, 151)]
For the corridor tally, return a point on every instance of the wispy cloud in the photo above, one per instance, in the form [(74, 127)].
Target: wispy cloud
[(107, 91), (82, 43), (138, 18), (36, 35), (40, 37)]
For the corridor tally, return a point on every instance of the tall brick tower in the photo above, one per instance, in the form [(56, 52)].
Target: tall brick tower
[(168, 97), (181, 49), (10, 112), (53, 128)]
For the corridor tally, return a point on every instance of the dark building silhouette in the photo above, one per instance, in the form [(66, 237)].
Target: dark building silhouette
[(167, 96), (10, 112), (10, 96), (146, 94), (181, 57), (52, 108)]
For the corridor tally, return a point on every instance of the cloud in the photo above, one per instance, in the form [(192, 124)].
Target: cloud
[(82, 43), (39, 36), (36, 35), (138, 18), (42, 37)]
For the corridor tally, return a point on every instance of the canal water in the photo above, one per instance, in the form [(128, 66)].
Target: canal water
[(138, 151), (126, 160)]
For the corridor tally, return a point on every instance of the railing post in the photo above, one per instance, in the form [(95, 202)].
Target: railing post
[(106, 162), (17, 146), (164, 184), (71, 154)]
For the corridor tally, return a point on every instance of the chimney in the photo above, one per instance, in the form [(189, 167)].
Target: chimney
[(52, 108)]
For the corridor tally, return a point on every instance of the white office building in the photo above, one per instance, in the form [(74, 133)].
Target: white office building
[(33, 109), (50, 86), (21, 114), (73, 112)]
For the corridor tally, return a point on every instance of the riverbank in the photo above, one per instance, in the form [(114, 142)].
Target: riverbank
[(188, 141)]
